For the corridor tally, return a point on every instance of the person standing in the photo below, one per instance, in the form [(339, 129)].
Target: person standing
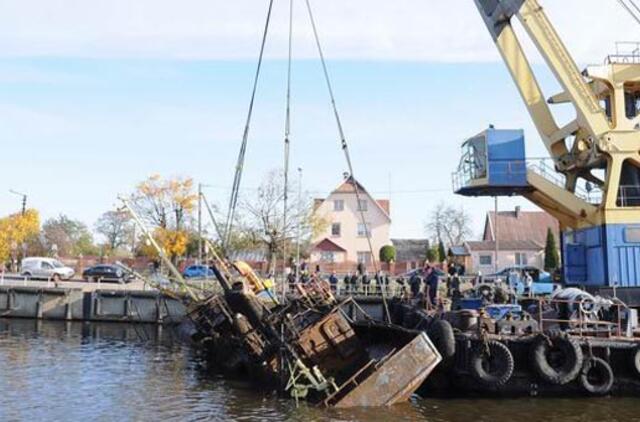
[(528, 284), (432, 284), (333, 281)]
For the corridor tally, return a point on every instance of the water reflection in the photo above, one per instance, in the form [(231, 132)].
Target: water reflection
[(105, 372)]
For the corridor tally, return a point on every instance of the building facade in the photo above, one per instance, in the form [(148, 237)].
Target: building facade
[(521, 237), (345, 238)]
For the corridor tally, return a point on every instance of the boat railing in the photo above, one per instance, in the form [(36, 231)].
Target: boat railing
[(583, 320)]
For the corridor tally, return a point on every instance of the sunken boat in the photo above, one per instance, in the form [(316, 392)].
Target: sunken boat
[(309, 346)]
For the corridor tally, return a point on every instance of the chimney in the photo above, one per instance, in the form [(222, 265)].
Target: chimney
[(517, 211)]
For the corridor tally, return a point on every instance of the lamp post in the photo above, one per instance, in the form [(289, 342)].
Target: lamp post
[(298, 226), (24, 199)]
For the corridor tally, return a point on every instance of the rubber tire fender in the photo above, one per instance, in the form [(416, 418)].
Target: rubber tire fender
[(441, 334), (604, 385), (567, 346), (635, 361), (482, 364)]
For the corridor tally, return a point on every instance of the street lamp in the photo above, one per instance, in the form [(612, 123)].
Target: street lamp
[(299, 223), (24, 199)]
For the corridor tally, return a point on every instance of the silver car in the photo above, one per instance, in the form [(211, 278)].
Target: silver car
[(46, 268)]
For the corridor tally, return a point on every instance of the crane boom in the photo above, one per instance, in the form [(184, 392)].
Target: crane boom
[(600, 146), (591, 122)]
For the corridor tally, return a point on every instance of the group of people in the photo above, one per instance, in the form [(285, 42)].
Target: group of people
[(422, 283)]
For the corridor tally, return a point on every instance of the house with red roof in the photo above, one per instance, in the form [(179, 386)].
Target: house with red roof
[(346, 237), (521, 239)]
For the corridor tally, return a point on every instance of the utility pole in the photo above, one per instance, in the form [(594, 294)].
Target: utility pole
[(495, 233), (24, 200), (199, 223), (298, 228)]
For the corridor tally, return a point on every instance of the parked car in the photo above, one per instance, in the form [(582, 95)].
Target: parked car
[(46, 269), (106, 273), (198, 271), (543, 283)]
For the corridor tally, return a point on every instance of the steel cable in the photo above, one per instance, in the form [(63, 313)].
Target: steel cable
[(233, 200), (344, 145), (630, 11)]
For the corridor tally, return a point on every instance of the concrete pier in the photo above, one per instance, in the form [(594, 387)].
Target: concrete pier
[(80, 301)]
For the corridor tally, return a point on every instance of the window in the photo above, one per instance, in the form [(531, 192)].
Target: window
[(338, 205), (364, 230), (631, 100), (486, 260), (521, 258), (327, 256), (364, 257), (362, 205), (335, 230)]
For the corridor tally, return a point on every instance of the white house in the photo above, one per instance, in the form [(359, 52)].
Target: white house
[(345, 238)]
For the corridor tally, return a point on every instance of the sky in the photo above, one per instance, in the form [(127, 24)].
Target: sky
[(96, 95)]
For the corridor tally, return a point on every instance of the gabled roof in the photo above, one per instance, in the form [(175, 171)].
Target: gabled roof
[(460, 250), (327, 245), (348, 186), (507, 245), (520, 225)]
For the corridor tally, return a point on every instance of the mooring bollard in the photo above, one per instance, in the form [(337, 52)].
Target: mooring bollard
[(25, 281)]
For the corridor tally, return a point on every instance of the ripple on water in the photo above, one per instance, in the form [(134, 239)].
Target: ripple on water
[(107, 372)]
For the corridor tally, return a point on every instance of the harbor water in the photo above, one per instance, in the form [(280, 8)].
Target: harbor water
[(63, 371)]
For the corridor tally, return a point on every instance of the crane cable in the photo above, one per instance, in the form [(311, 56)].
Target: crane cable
[(634, 15), (344, 146), (233, 200), (287, 134)]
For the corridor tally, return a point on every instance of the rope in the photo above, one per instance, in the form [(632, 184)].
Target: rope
[(287, 133), (233, 200), (345, 147), (628, 9)]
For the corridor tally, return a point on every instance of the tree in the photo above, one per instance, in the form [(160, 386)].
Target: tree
[(166, 205), (433, 256), (70, 237), (551, 258), (449, 225), (261, 217), (441, 251), (387, 254), (16, 230), (116, 227)]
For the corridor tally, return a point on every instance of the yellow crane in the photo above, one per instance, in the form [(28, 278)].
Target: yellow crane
[(598, 150)]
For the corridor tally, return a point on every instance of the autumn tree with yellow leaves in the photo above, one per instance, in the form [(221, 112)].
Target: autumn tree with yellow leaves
[(167, 206), (17, 229)]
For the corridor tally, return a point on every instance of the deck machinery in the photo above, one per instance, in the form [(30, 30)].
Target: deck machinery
[(593, 187)]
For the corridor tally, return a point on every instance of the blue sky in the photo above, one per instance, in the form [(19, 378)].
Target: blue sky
[(87, 113)]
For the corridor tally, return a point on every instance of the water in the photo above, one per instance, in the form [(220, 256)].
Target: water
[(56, 371)]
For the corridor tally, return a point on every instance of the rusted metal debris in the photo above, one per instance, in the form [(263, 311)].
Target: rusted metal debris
[(311, 348)]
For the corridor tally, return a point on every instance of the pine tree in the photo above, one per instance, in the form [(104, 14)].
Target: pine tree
[(441, 252), (551, 259)]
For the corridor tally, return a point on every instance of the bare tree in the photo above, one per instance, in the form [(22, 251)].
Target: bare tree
[(261, 216), (116, 227), (449, 225)]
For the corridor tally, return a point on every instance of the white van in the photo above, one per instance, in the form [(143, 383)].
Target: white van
[(46, 268)]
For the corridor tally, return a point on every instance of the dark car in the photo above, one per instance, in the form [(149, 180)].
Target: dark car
[(106, 273)]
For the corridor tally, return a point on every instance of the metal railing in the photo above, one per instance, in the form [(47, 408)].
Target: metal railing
[(627, 52), (585, 322)]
